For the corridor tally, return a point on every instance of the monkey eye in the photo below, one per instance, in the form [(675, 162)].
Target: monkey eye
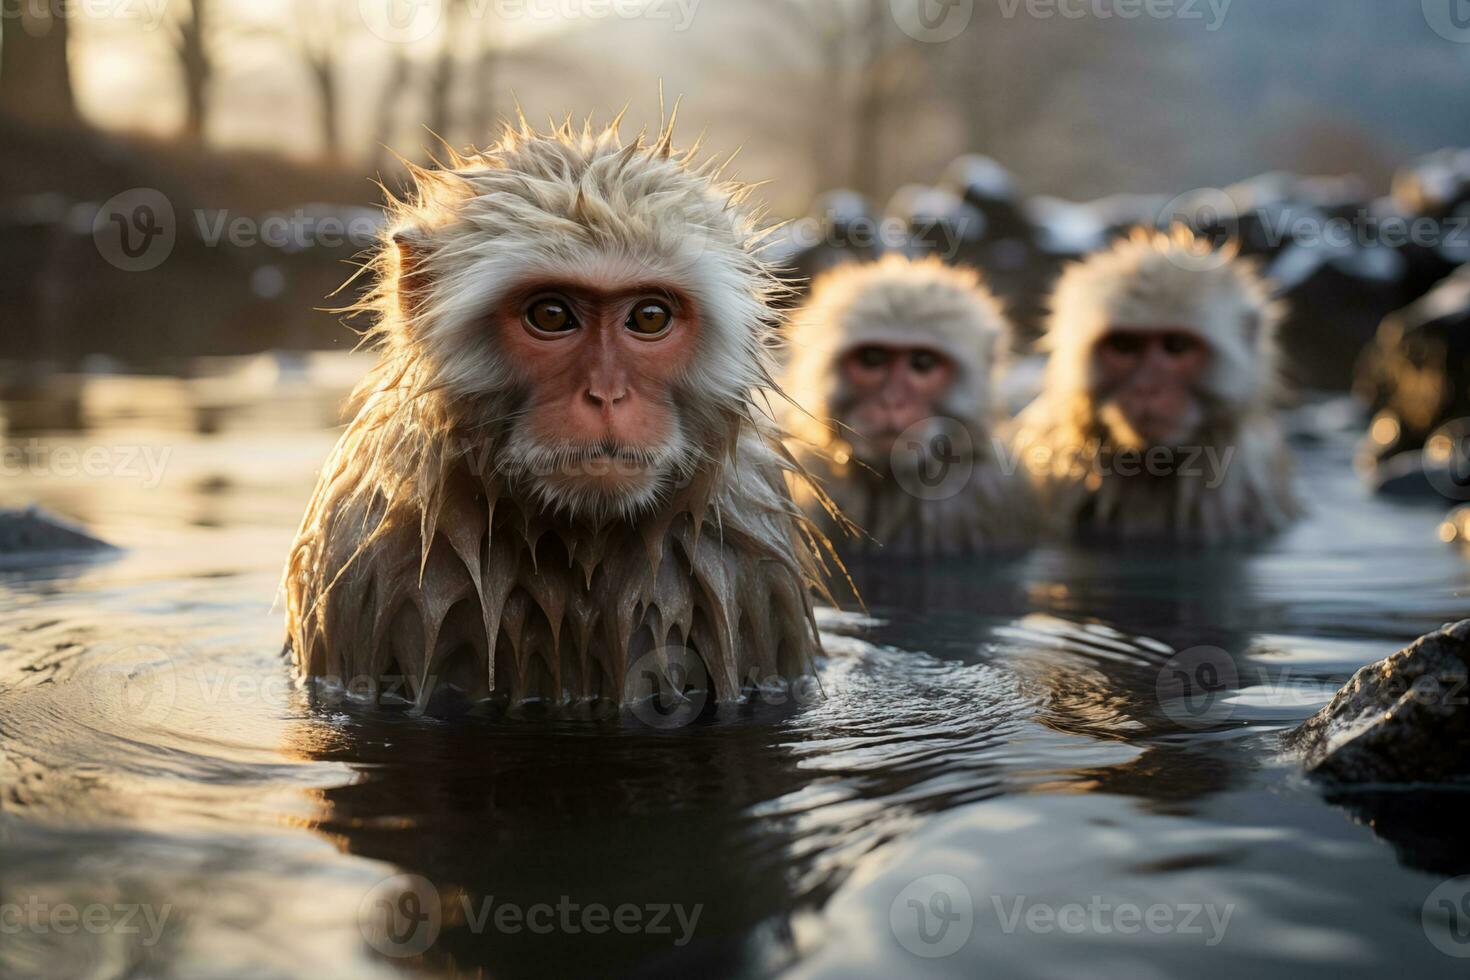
[(1177, 344), (551, 315), (1124, 343), (871, 357), (649, 319), (923, 361)]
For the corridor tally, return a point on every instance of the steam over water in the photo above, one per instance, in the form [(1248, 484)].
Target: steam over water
[(1019, 769)]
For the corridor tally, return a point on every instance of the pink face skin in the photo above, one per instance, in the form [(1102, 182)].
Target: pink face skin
[(893, 387), (1151, 378), (599, 365)]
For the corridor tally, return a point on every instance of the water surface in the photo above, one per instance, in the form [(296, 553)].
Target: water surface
[(1016, 729)]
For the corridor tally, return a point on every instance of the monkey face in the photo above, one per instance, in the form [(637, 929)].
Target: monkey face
[(1148, 385), (890, 389), (598, 429)]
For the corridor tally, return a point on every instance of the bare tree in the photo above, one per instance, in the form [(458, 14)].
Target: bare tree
[(35, 79), (197, 67), (318, 41), (487, 69), (861, 69), (385, 128)]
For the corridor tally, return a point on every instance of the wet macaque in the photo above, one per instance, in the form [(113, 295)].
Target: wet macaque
[(559, 480), (1156, 418), (890, 373)]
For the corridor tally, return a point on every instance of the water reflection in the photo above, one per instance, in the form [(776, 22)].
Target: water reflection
[(1021, 725)]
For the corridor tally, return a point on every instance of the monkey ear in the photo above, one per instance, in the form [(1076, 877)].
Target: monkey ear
[(412, 272)]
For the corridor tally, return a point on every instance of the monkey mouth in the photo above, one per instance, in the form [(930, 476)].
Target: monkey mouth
[(599, 479), (614, 453)]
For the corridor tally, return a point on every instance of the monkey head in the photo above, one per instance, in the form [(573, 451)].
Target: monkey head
[(898, 348), (595, 310), (1159, 340)]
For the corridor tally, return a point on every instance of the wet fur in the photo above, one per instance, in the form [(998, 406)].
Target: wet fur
[(1157, 279), (431, 551), (906, 302)]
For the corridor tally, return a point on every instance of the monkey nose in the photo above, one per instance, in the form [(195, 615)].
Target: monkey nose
[(605, 397)]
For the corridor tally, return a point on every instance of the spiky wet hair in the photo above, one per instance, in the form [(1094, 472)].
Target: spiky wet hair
[(1169, 280), (911, 303), (896, 300), (417, 521), (1163, 280)]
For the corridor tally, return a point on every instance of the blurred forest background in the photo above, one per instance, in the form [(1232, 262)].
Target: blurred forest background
[(229, 110)]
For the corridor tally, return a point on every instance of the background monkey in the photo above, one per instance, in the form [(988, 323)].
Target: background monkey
[(1156, 416), (558, 464), (890, 372)]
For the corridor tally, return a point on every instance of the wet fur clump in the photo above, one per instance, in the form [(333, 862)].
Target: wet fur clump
[(983, 504), (439, 548), (1234, 479)]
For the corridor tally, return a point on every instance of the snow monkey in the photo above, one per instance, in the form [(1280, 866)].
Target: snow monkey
[(890, 372), (559, 465), (1156, 415)]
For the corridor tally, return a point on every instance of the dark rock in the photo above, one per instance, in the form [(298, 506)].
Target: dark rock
[(1415, 376), (1404, 475), (34, 535), (1401, 720), (1000, 239), (841, 228)]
